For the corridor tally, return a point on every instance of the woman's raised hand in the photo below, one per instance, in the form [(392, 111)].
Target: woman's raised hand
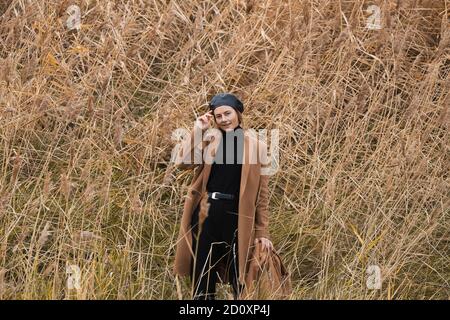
[(203, 122)]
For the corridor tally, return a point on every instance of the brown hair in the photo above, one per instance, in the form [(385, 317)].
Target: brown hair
[(240, 119)]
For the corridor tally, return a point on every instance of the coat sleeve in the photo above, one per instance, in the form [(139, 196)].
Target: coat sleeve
[(262, 201), (190, 154)]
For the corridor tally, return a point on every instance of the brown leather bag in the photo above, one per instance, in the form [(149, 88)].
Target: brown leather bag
[(267, 277)]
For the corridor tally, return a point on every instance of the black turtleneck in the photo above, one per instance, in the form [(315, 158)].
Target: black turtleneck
[(225, 173)]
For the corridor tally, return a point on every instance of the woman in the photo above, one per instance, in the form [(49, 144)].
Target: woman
[(217, 243)]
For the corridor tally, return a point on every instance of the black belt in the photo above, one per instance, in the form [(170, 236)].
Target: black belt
[(220, 195)]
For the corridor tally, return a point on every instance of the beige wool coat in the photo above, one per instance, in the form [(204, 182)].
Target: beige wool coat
[(253, 215)]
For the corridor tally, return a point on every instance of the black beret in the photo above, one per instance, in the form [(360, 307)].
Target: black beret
[(226, 99)]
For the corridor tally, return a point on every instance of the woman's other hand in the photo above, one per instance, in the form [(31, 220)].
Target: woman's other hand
[(203, 122), (266, 243)]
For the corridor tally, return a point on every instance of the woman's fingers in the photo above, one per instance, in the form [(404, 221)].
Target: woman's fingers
[(203, 120), (206, 117), (268, 244), (265, 243)]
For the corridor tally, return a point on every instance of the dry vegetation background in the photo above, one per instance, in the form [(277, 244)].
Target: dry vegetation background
[(86, 118)]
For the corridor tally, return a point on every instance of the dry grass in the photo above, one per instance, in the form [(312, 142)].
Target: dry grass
[(86, 118)]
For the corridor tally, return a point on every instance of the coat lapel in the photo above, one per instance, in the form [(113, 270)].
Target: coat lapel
[(245, 165)]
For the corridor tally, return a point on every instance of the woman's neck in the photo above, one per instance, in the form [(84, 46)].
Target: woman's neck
[(224, 132)]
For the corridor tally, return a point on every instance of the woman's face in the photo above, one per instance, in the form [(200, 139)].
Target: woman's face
[(226, 118)]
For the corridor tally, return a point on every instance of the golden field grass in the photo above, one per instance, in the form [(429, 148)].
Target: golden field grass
[(86, 122)]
